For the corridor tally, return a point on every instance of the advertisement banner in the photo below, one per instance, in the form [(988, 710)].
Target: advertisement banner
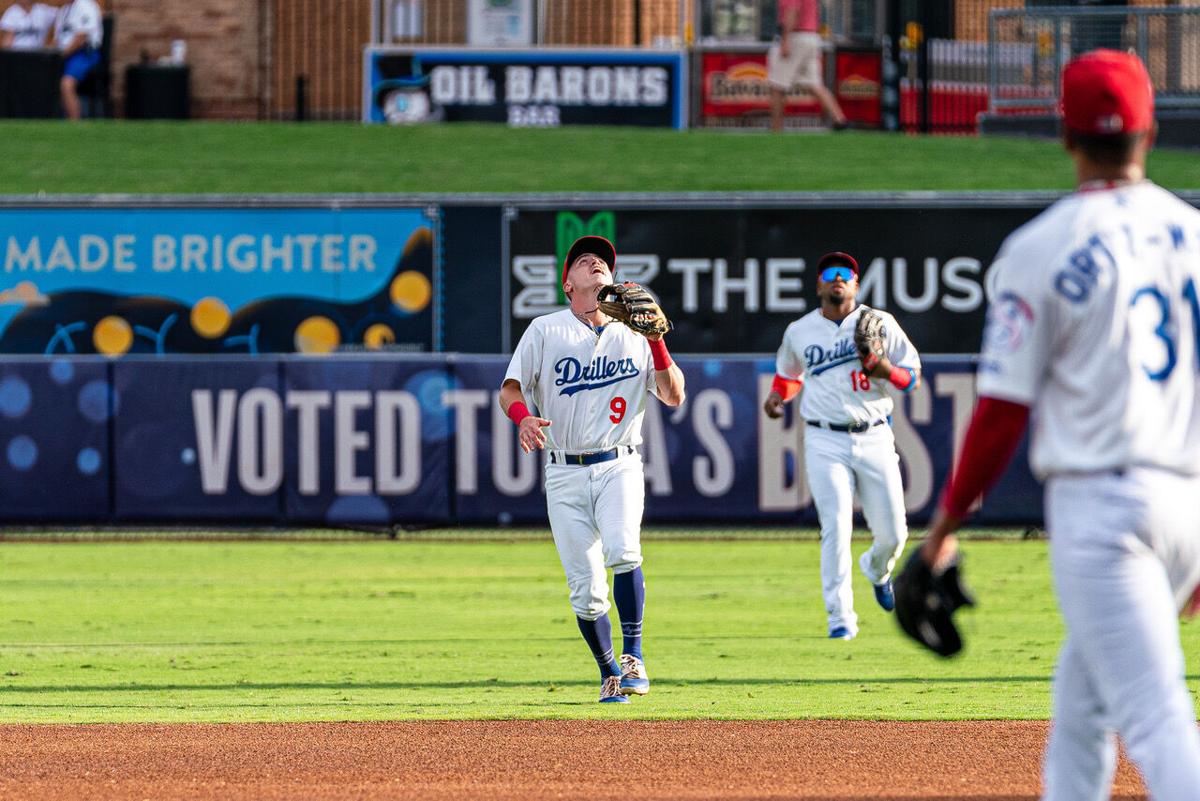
[(534, 88), (858, 78), (320, 442), (732, 279), (419, 441), (718, 458), (733, 83), (495, 482), (54, 437), (217, 281), (368, 441), (197, 440)]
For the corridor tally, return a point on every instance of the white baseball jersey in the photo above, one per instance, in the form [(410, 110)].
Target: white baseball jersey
[(29, 28), (821, 353), (1094, 323), (79, 16), (592, 388)]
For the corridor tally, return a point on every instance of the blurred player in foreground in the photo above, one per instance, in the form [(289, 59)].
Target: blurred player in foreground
[(1094, 330), (589, 380)]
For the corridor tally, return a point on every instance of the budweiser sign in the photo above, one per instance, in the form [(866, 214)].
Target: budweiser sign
[(735, 84)]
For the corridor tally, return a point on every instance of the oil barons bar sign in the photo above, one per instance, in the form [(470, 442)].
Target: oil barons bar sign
[(526, 88)]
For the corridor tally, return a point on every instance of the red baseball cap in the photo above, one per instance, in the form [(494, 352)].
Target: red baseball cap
[(590, 244), (837, 259), (1107, 92)]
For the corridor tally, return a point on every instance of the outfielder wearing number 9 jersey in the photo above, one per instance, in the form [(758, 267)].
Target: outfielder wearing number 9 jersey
[(1094, 334), (589, 380)]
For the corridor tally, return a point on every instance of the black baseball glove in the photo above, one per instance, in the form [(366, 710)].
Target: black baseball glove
[(926, 602), (868, 340), (631, 304)]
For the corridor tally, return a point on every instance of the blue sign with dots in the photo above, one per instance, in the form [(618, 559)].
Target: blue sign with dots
[(54, 417), (224, 281)]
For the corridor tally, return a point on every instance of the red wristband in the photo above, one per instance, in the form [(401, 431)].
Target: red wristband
[(658, 350), (901, 378), (786, 387), (518, 412)]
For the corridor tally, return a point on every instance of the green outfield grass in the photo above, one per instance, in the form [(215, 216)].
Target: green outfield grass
[(371, 630), (162, 157)]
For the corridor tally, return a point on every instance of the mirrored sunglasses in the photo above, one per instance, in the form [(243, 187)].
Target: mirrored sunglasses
[(833, 273)]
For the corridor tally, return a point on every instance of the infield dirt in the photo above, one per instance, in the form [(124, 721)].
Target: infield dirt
[(533, 760)]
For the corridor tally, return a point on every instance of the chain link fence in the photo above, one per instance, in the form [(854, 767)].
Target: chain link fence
[(1028, 48), (956, 58), (314, 47)]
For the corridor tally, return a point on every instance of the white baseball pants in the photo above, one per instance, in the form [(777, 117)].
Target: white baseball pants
[(596, 517), (1125, 551), (838, 464)]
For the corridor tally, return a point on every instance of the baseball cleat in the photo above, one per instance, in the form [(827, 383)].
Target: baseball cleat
[(610, 691), (634, 680), (841, 633), (884, 596)]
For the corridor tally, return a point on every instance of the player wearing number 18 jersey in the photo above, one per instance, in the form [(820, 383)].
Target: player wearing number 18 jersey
[(588, 380), (848, 443), (1094, 334)]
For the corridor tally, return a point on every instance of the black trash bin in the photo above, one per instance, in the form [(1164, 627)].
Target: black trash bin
[(157, 92)]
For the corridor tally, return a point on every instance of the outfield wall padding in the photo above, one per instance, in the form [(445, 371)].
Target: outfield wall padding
[(445, 273), (413, 441)]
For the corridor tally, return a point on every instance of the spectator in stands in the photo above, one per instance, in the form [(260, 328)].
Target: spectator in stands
[(795, 58), (77, 34), (26, 25)]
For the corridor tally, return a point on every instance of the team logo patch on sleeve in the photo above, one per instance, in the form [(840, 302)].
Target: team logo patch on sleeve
[(1008, 323)]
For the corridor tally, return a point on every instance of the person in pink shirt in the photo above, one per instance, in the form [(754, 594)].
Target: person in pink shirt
[(795, 59)]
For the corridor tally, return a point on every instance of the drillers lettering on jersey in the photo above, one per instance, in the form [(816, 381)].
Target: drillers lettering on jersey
[(818, 360), (600, 372)]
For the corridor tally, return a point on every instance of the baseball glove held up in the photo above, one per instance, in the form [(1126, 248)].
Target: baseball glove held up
[(868, 339), (632, 305), (926, 602)]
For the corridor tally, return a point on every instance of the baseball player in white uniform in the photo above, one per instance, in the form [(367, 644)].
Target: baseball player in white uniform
[(587, 380), (848, 441), (1093, 333)]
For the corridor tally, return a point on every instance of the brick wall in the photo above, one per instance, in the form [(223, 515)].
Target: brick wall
[(223, 49), (245, 55)]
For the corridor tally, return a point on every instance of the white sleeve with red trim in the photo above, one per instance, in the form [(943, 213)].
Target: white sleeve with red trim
[(900, 350)]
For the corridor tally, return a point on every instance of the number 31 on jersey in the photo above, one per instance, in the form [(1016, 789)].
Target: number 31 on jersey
[(1160, 306)]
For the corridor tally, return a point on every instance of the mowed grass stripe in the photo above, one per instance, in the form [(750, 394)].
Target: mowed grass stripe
[(251, 158), (288, 631)]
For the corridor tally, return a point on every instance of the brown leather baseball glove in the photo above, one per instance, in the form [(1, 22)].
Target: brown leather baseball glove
[(632, 305), (868, 340)]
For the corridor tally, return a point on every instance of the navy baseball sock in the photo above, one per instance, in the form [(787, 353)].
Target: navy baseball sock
[(629, 591), (598, 634)]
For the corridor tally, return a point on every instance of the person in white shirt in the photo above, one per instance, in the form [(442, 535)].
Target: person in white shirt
[(78, 34), (26, 25), (1093, 334), (589, 380), (848, 441)]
